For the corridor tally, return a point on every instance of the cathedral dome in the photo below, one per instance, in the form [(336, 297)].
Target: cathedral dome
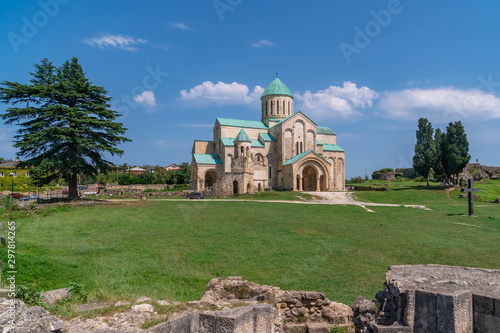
[(277, 87)]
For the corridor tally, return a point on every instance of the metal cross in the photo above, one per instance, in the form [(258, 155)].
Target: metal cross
[(470, 189)]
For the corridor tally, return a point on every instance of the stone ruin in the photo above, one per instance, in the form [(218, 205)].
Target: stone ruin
[(415, 299), (479, 172), (433, 298)]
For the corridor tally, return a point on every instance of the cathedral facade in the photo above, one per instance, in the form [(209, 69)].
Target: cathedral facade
[(282, 151)]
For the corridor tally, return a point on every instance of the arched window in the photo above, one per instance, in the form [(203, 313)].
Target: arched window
[(289, 109), (278, 106), (297, 148), (242, 152), (267, 107), (301, 147), (271, 107), (284, 110)]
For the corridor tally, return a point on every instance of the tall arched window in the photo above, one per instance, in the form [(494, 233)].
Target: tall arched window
[(267, 107), (289, 109), (271, 107), (284, 109), (278, 106), (301, 147)]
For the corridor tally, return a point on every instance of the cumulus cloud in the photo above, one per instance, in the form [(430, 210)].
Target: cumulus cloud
[(339, 102), (263, 42), (180, 25), (122, 42), (146, 97), (440, 105), (221, 93)]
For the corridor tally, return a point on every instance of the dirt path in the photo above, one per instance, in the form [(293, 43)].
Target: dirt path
[(329, 198)]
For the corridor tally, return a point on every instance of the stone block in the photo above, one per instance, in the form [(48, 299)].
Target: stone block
[(207, 322), (497, 307), (486, 323), (319, 328), (425, 312), (56, 325), (391, 329), (238, 320), (443, 313), (483, 304), (263, 315), (186, 323), (52, 296), (295, 328)]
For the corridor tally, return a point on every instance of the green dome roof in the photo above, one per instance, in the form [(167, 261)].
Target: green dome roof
[(277, 87), (242, 137)]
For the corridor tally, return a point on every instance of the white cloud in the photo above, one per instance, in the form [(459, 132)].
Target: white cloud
[(180, 25), (221, 93), (146, 97), (338, 102), (263, 42), (440, 105), (122, 42)]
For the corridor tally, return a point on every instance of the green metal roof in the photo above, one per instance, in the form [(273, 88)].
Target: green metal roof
[(324, 131), (290, 116), (242, 123), (230, 142), (227, 141), (266, 137), (257, 144), (299, 156), (319, 142), (277, 87), (207, 159), (329, 147), (242, 137)]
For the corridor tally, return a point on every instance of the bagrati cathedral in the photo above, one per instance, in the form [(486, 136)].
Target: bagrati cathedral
[(282, 151)]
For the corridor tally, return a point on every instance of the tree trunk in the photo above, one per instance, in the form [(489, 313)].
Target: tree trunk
[(72, 188)]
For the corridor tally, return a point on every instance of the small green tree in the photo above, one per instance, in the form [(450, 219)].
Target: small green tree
[(457, 149), (425, 149), (183, 174), (440, 163), (66, 124)]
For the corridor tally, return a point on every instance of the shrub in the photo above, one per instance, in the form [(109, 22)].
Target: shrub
[(356, 180), (29, 294)]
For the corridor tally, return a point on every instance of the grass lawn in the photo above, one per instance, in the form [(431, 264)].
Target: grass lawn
[(171, 249)]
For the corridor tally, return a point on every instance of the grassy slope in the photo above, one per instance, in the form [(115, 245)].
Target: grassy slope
[(172, 249)]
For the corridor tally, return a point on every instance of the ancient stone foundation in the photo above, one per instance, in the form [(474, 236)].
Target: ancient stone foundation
[(433, 298), (415, 299)]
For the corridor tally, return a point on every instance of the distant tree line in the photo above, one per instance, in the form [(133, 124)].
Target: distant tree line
[(446, 153), (121, 175)]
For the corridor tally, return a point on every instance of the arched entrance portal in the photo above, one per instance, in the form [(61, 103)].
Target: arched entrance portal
[(235, 187), (210, 179), (309, 177)]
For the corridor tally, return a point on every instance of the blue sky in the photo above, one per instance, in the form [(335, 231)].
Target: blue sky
[(366, 69)]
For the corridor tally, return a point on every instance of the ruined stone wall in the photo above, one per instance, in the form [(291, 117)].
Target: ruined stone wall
[(433, 298)]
